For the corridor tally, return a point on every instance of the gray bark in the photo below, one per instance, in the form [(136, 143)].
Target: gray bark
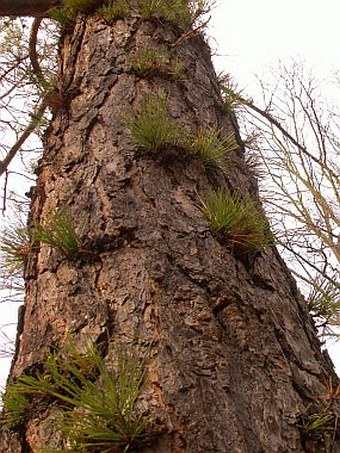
[(235, 357)]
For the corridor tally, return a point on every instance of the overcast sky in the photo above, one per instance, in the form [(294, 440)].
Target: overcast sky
[(250, 36)]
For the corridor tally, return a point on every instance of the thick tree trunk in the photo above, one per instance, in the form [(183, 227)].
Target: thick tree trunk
[(235, 358)]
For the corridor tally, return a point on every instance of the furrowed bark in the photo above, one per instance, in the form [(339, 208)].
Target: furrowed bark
[(235, 360)]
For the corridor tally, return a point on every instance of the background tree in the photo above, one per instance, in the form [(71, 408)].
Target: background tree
[(27, 69), (297, 147), (145, 227)]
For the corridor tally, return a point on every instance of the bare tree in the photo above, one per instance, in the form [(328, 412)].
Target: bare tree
[(27, 74), (297, 140)]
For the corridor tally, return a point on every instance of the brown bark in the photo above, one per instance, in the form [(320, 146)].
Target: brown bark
[(235, 357), (26, 7)]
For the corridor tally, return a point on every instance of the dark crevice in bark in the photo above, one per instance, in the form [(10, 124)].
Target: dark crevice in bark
[(304, 393), (291, 356), (292, 282), (125, 237), (262, 282), (75, 42), (225, 301)]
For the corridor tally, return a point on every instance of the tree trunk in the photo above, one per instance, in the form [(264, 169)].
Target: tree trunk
[(235, 361)]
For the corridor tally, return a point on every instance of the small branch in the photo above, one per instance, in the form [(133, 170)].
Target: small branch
[(5, 193), (32, 48), (190, 32), (35, 8), (24, 136), (274, 122)]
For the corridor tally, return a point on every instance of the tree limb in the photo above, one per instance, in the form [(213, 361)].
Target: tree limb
[(276, 123), (33, 54), (24, 136), (36, 8)]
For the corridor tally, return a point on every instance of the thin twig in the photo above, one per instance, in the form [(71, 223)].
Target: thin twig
[(24, 136)]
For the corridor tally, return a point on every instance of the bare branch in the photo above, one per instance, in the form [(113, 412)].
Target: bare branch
[(35, 8), (24, 136), (33, 52), (279, 126), (301, 193)]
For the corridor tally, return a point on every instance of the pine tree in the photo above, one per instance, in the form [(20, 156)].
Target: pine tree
[(152, 285)]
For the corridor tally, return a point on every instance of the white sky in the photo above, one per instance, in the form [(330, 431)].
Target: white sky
[(252, 34), (249, 36)]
